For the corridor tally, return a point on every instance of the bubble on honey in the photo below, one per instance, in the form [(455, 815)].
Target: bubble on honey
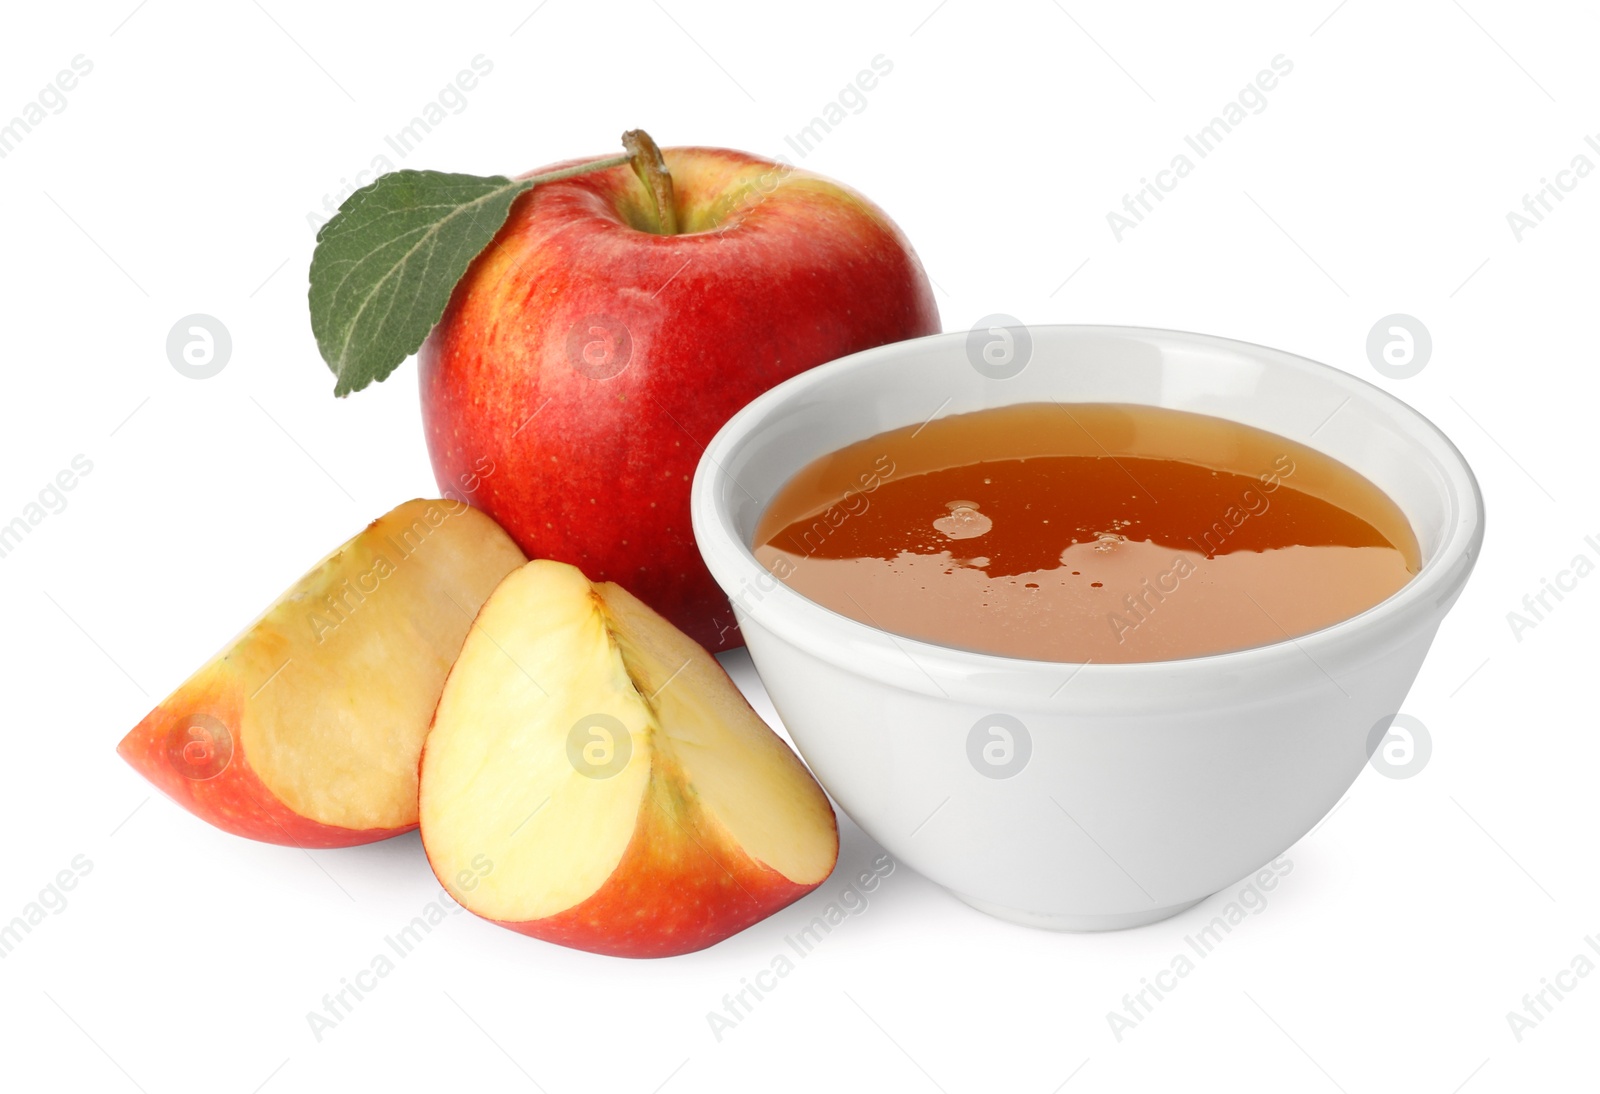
[(1109, 541), (963, 521)]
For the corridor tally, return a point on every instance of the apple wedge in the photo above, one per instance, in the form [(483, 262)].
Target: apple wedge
[(307, 729), (594, 779)]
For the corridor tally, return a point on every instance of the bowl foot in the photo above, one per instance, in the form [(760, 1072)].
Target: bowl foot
[(1116, 921)]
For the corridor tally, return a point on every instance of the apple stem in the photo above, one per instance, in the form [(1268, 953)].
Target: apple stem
[(651, 168)]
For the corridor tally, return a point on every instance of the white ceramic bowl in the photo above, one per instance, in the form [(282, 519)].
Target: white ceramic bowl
[(1146, 787)]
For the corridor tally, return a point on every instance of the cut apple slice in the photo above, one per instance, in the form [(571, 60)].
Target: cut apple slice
[(593, 778), (307, 729)]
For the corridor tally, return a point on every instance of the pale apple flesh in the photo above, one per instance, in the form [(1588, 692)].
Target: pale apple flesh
[(629, 801), (307, 729)]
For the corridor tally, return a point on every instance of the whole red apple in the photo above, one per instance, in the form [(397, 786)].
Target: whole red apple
[(603, 337)]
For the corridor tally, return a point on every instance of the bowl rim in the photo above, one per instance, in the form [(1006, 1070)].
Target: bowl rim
[(730, 559)]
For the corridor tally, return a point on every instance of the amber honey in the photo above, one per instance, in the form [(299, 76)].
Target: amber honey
[(1083, 532)]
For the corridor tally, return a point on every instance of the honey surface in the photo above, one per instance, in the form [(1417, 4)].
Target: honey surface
[(1087, 532)]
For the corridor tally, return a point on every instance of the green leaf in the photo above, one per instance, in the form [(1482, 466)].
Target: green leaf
[(385, 265)]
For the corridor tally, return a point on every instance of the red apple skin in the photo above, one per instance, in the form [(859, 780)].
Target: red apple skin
[(235, 799), (595, 470)]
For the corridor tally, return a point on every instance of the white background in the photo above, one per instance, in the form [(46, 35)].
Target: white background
[(178, 180)]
